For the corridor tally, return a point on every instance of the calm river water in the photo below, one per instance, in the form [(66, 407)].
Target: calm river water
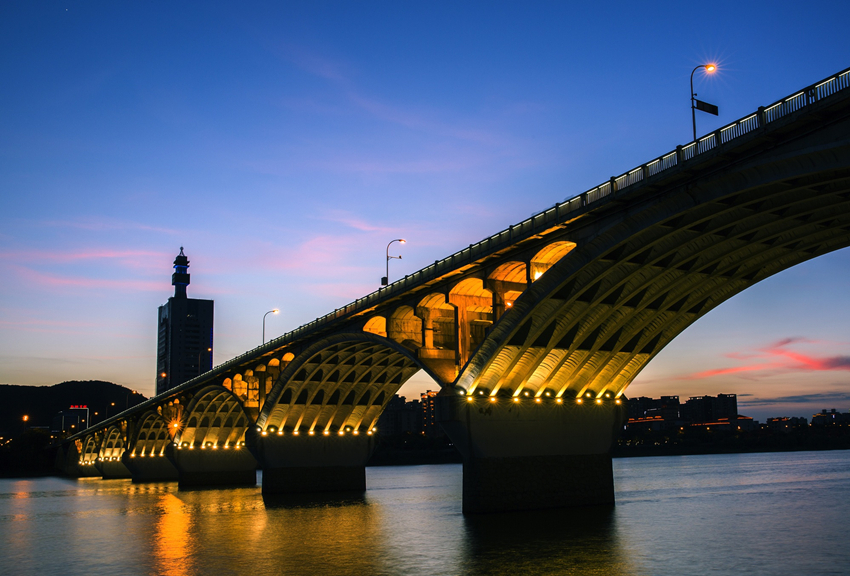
[(727, 514)]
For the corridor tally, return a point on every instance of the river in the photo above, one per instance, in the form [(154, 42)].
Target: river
[(777, 513)]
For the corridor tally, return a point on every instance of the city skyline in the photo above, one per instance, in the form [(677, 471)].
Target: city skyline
[(284, 147)]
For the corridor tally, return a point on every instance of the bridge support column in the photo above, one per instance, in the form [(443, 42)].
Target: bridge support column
[(112, 469), (531, 455), (150, 468), (210, 467), (303, 464), (70, 463)]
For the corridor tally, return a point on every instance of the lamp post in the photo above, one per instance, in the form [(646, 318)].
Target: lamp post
[(704, 106), (210, 350), (275, 311), (386, 279)]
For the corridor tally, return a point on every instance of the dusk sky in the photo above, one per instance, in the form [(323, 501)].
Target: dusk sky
[(284, 144)]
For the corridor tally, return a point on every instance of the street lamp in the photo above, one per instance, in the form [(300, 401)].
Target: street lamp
[(699, 104), (210, 350), (386, 279), (275, 311)]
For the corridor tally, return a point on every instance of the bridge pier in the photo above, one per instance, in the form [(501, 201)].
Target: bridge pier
[(71, 463), (530, 454), (297, 464), (210, 466), (112, 468), (149, 468)]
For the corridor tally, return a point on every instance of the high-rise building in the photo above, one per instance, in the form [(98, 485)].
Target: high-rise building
[(185, 343)]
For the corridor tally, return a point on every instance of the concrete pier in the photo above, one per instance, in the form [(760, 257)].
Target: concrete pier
[(210, 467), (525, 454), (318, 463), (112, 469), (149, 468)]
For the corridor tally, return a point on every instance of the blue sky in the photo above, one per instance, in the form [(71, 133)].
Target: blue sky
[(284, 144)]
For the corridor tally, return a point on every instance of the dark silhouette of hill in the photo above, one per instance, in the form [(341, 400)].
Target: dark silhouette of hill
[(42, 403)]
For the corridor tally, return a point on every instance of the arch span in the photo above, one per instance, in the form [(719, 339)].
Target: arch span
[(215, 418), (341, 383), (604, 310)]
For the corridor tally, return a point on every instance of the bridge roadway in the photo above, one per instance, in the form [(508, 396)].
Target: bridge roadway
[(533, 333)]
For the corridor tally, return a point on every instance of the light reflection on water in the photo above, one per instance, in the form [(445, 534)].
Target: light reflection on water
[(729, 514)]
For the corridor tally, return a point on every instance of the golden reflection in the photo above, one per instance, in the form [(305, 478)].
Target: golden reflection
[(171, 538)]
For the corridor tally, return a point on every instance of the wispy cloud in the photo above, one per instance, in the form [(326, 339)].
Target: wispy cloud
[(131, 256), (53, 280), (830, 398), (98, 224), (777, 358), (354, 222)]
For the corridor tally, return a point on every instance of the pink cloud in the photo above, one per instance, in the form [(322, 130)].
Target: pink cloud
[(778, 358), (131, 256), (354, 222), (99, 224), (57, 281)]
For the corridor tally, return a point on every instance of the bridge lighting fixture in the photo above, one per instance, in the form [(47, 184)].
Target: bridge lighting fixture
[(516, 399), (369, 432), (492, 398), (311, 433), (264, 433), (578, 400), (559, 400), (469, 398), (537, 400), (295, 432), (386, 279), (699, 104), (273, 311), (280, 432), (599, 400), (356, 432), (326, 432)]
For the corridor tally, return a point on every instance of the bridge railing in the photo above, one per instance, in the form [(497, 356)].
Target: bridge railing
[(543, 220)]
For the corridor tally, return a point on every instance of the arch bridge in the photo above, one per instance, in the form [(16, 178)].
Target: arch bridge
[(533, 334)]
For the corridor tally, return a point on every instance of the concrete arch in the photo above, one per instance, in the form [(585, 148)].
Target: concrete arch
[(376, 325), (90, 448), (113, 445), (215, 418), (405, 327), (151, 437), (548, 257), (598, 317), (338, 378)]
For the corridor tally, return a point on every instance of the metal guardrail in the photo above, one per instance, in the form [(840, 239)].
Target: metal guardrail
[(543, 220)]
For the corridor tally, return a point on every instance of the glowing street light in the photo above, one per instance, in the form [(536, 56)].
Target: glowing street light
[(699, 104), (210, 350), (275, 311), (386, 279)]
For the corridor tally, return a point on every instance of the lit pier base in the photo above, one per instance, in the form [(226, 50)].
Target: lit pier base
[(113, 469), (309, 464), (68, 462), (529, 455), (149, 468), (213, 467)]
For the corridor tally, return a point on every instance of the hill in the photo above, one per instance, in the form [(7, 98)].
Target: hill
[(42, 403)]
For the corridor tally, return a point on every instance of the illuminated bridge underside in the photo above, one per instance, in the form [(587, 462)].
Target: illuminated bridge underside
[(593, 322)]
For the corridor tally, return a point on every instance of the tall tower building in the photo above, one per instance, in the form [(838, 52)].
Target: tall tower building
[(185, 340)]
